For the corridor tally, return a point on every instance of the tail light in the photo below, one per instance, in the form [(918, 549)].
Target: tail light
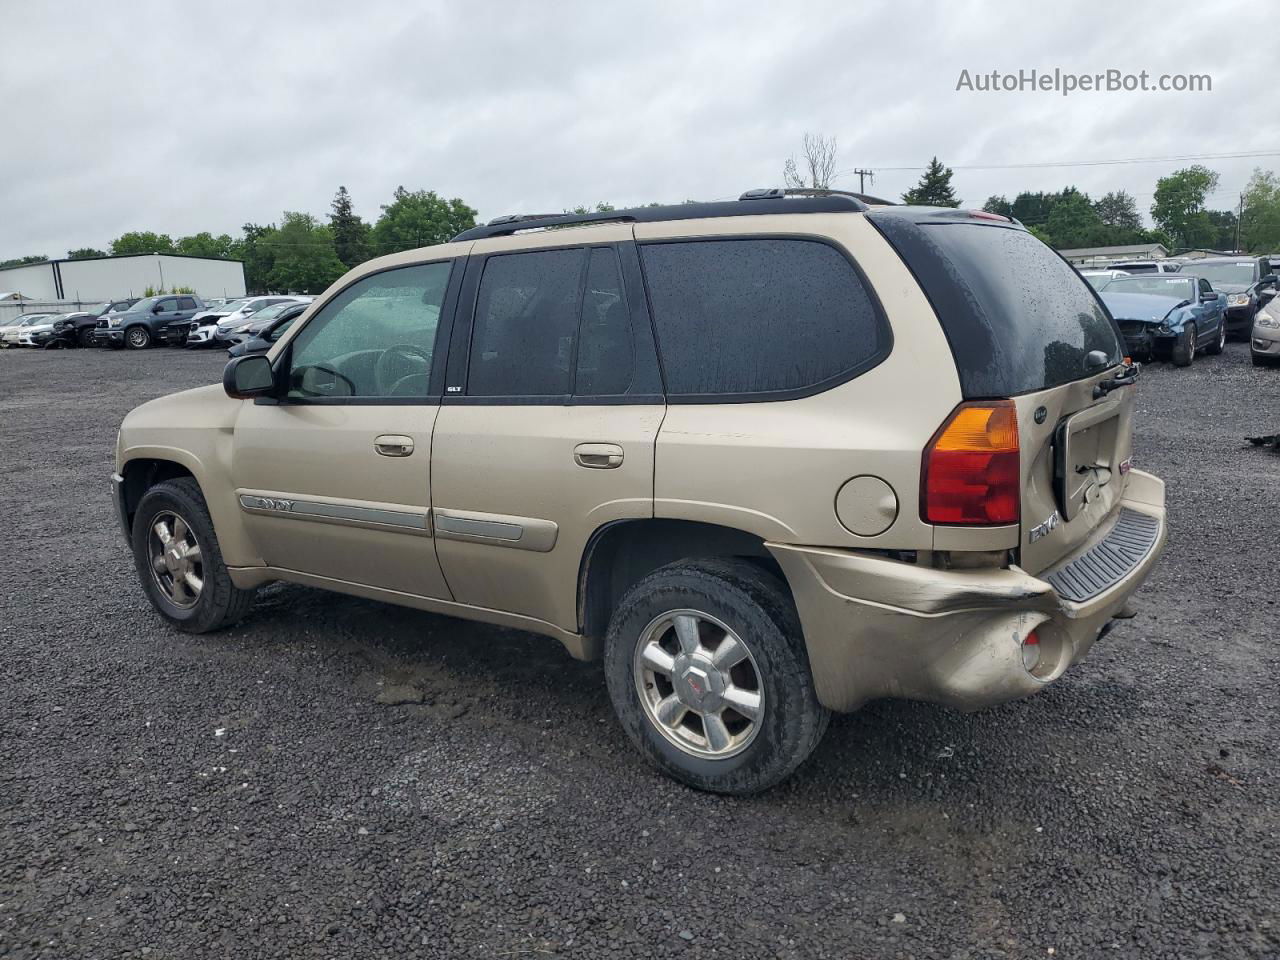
[(970, 472)]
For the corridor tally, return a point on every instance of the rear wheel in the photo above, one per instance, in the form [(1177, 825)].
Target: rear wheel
[(1184, 351), (137, 338), (1220, 343), (179, 563), (709, 676)]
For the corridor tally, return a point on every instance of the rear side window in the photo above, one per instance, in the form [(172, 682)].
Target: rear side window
[(1017, 316), (759, 316), (188, 303)]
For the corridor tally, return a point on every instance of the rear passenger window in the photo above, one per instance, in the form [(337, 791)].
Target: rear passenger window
[(759, 316), (525, 323), (187, 304)]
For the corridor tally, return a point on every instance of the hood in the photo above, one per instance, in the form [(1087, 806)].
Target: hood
[(1230, 287), (1147, 307)]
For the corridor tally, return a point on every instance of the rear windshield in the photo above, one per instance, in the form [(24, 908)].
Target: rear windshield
[(1018, 317)]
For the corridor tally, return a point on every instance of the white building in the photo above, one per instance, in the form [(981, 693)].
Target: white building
[(98, 279)]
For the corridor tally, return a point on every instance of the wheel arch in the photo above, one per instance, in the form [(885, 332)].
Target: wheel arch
[(142, 473), (622, 552)]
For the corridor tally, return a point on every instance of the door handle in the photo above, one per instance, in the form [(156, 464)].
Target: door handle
[(598, 456), (393, 445)]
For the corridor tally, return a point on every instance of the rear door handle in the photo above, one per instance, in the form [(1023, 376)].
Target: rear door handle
[(598, 456), (393, 445)]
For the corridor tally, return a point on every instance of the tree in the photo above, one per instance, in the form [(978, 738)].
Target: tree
[(205, 244), (350, 232), (1178, 208), (23, 261), (303, 256), (141, 241), (1222, 225), (84, 253), (259, 257), (1260, 224), (818, 167), (934, 188), (419, 219), (998, 204), (1119, 209), (1074, 222), (602, 207)]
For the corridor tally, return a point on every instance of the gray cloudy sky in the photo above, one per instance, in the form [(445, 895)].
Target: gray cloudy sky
[(184, 116)]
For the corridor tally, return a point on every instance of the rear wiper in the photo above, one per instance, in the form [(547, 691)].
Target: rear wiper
[(1126, 377)]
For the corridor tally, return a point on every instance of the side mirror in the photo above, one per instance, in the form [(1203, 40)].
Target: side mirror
[(157, 309), (249, 376)]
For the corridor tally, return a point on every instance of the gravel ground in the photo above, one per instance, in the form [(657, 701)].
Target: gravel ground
[(338, 778)]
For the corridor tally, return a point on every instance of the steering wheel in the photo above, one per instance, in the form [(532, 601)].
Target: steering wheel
[(398, 364)]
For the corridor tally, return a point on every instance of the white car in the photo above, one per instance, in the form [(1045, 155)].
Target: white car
[(12, 334), (212, 326), (38, 332), (1100, 278)]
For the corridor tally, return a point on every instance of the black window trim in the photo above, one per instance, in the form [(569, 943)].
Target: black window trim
[(439, 357), (797, 393), (456, 380)]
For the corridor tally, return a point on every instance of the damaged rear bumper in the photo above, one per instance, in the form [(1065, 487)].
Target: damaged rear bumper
[(876, 627)]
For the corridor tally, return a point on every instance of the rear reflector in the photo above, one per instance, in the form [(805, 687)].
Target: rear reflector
[(1031, 651), (970, 471)]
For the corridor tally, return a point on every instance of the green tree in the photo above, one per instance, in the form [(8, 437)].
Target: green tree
[(419, 219), (602, 207), (1222, 224), (934, 188), (998, 204), (303, 256), (205, 244), (1178, 208), (350, 232), (141, 241), (258, 255), (23, 261), (1118, 209), (84, 253), (1074, 222), (1260, 224)]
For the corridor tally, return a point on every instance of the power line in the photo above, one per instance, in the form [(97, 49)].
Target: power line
[(1253, 154)]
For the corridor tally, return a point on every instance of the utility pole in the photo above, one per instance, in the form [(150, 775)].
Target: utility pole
[(1239, 217), (862, 179)]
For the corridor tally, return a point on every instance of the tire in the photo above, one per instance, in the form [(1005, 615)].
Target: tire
[(218, 602), (759, 614), (137, 338), (1220, 343), (1184, 351), (85, 337)]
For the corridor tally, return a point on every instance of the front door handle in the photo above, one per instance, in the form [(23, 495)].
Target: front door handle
[(393, 445), (598, 456)]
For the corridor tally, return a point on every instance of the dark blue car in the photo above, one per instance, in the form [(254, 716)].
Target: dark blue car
[(1167, 315)]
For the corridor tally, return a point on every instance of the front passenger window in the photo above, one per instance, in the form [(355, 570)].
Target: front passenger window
[(374, 339)]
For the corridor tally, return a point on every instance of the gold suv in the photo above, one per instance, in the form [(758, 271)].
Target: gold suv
[(769, 458)]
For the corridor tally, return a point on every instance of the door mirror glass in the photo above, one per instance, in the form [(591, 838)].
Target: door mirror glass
[(246, 377)]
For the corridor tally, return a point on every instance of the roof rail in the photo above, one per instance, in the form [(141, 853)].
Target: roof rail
[(751, 203)]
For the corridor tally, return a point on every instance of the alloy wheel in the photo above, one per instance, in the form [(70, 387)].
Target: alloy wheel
[(177, 563), (138, 337), (699, 684)]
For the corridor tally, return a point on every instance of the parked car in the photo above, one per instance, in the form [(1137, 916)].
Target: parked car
[(147, 320), (920, 485), (12, 333), (242, 330), (1264, 341), (1167, 316), (236, 322), (80, 327), (264, 333), (1100, 278), (1247, 282), (57, 330), (210, 329), (1146, 266), (203, 326)]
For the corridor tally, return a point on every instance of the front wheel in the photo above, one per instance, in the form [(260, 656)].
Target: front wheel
[(137, 338), (85, 336), (1184, 351), (1220, 342), (709, 676), (179, 562)]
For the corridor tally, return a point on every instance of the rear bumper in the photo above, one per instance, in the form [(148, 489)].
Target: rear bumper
[(879, 628)]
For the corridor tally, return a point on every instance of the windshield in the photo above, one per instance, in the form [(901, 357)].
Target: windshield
[(1181, 288), (1097, 280), (231, 306), (1223, 271), (270, 313)]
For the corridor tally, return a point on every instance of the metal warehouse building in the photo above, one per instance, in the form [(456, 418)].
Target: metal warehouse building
[(98, 279)]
